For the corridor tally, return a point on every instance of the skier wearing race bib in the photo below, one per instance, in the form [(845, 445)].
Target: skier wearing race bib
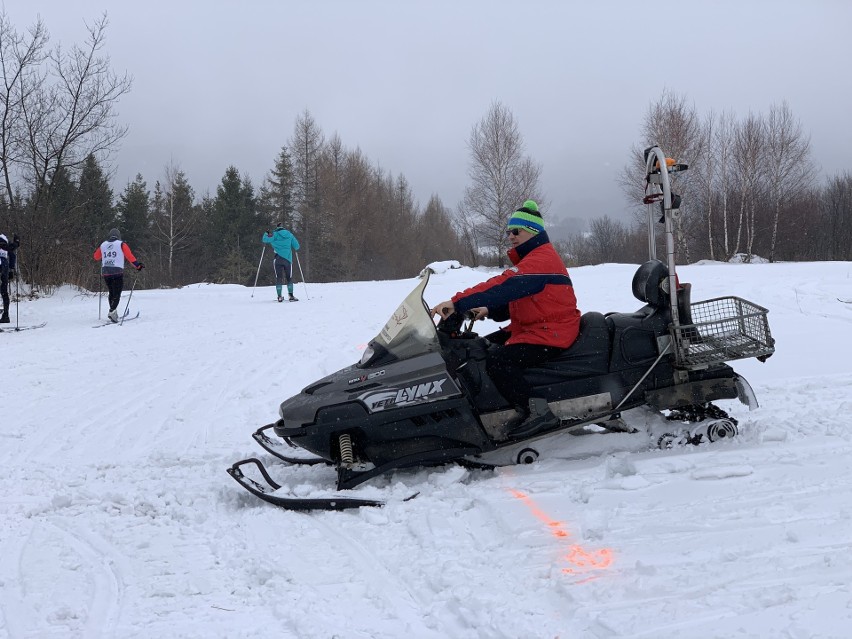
[(112, 254)]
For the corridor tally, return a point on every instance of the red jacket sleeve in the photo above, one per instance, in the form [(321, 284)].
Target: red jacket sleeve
[(98, 254), (128, 254)]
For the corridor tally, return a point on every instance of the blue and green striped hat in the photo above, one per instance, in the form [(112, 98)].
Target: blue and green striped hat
[(528, 218)]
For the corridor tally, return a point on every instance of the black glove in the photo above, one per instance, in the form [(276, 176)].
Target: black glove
[(16, 238), (269, 234), (11, 275), (139, 265)]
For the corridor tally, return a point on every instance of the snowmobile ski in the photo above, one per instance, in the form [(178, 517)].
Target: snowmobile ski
[(267, 492), (121, 320), (18, 329), (279, 450)]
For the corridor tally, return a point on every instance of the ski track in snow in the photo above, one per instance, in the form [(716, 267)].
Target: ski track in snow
[(119, 519)]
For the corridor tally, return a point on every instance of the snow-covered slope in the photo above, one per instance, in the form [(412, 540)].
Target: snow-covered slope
[(117, 518)]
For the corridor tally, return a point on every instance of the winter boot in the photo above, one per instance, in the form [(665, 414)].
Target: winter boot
[(5, 318), (113, 316), (280, 298), (293, 299), (539, 418)]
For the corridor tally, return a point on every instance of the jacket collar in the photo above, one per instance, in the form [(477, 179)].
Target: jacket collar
[(517, 254)]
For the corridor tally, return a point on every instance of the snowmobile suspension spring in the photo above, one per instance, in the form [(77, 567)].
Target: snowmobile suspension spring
[(345, 443)]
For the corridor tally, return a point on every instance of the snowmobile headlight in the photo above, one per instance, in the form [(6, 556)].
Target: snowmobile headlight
[(368, 354)]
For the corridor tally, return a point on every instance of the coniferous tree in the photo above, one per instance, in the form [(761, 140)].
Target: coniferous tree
[(235, 229), (276, 202), (307, 144), (132, 209), (94, 210)]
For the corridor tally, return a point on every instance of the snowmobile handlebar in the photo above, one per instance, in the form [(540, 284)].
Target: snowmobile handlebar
[(452, 324)]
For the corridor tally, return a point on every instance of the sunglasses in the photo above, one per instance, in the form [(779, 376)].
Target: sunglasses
[(513, 232)]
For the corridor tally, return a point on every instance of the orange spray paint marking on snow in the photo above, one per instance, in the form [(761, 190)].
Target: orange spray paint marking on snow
[(579, 559)]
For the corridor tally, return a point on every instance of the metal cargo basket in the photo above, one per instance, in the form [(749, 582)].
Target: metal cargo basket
[(721, 330)]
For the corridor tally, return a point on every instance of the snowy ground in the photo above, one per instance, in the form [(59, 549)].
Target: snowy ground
[(117, 518)]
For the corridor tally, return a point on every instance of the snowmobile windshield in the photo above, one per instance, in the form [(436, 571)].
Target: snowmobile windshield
[(410, 330)]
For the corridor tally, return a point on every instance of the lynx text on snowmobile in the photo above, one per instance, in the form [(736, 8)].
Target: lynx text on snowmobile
[(421, 396)]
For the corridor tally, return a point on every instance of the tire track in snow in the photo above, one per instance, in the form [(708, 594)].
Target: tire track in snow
[(393, 589), (15, 608), (109, 585)]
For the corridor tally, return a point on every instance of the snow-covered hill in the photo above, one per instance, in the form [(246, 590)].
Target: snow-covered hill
[(117, 518)]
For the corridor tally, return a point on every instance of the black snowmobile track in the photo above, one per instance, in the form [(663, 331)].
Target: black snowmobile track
[(291, 503)]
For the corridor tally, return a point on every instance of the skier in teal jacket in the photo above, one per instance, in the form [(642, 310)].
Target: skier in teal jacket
[(283, 243)]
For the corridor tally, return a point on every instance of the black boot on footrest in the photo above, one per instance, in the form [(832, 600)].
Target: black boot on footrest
[(540, 419)]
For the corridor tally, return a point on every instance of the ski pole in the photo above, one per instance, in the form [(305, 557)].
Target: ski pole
[(100, 293), (302, 274), (258, 269), (17, 290), (126, 308)]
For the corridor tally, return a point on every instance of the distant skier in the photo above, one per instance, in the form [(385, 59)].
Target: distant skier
[(112, 254), (7, 270), (284, 243)]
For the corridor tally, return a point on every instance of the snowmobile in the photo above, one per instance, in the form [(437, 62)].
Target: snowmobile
[(421, 396)]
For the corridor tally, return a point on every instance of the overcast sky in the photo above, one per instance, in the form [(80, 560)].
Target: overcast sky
[(221, 83)]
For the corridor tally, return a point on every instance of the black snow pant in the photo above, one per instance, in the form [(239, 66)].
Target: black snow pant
[(115, 285), (283, 272), (4, 287), (505, 365)]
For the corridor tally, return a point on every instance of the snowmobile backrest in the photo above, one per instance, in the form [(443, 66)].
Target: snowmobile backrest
[(646, 283), (634, 335), (684, 304)]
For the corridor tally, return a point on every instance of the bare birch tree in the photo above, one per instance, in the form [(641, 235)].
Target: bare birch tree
[(721, 148), (673, 125), (749, 153), (174, 217), (788, 169), (502, 178), (75, 116), (21, 59), (59, 108)]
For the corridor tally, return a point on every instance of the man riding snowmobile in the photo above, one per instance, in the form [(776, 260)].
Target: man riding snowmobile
[(537, 295)]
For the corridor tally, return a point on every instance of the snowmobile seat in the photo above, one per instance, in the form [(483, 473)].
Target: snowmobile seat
[(588, 356)]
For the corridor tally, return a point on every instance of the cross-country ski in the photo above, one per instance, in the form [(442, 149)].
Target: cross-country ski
[(18, 329), (123, 320)]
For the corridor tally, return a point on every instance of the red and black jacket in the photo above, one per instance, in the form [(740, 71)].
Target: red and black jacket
[(536, 294)]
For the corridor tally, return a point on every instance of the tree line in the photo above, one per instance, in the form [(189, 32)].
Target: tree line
[(750, 189)]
